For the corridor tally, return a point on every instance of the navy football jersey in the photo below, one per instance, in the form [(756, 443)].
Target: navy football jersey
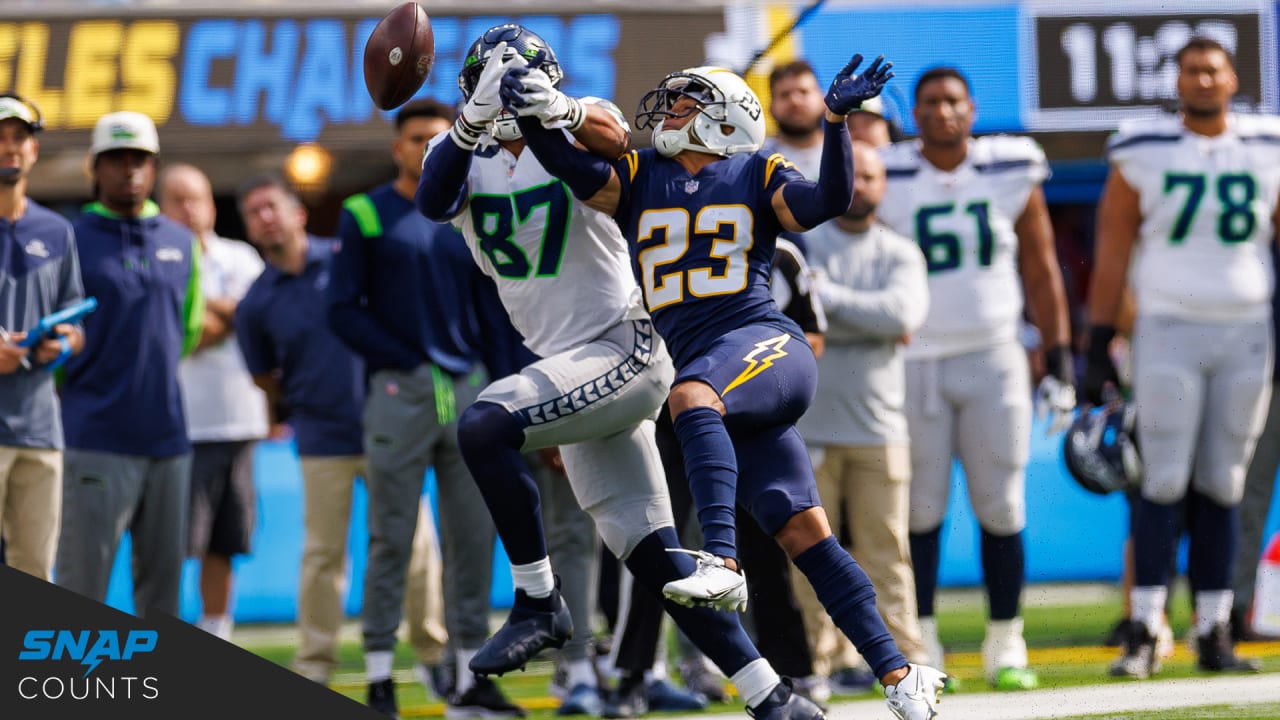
[(702, 246)]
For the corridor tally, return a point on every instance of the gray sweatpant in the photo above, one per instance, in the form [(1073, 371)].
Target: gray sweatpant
[(410, 424), (571, 545), (1259, 484), (104, 494)]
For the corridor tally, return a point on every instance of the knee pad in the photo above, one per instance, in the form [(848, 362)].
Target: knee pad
[(484, 425), (623, 522)]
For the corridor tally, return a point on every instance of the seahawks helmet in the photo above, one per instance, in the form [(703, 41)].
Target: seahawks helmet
[(520, 40), (1101, 449), (728, 120)]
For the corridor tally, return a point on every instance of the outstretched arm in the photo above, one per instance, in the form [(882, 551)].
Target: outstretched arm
[(590, 177), (803, 205)]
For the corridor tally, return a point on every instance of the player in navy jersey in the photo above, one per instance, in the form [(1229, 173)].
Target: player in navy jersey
[(701, 213)]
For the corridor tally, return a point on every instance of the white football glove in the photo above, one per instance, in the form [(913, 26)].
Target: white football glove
[(1056, 401), (484, 106), (537, 97)]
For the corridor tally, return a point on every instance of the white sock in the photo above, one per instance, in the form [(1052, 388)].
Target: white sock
[(658, 672), (1213, 607), (534, 578), (1148, 606), (579, 672), (219, 626), (377, 665), (465, 678), (755, 681)]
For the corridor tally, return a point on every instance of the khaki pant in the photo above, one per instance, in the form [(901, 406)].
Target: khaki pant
[(30, 508), (328, 483), (869, 486)]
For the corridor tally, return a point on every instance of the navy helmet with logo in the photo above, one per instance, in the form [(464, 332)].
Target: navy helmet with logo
[(1101, 449)]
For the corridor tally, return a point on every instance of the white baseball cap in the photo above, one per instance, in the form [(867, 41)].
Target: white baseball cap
[(12, 106), (125, 131), (874, 105)]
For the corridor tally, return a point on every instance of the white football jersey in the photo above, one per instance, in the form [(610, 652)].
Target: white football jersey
[(963, 221), (1202, 252), (562, 269)]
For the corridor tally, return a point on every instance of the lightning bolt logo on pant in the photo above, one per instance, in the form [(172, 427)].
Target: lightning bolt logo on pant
[(757, 364)]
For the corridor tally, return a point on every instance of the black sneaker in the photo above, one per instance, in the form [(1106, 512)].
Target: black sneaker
[(629, 700), (1119, 634), (534, 625), (1217, 653), (482, 700), (1139, 658), (782, 704), (382, 698)]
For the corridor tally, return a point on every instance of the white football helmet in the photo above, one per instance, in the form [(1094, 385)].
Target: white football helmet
[(729, 117)]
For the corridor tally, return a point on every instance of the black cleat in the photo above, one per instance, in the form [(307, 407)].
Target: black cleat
[(1139, 658), (534, 625), (484, 699), (629, 700), (1217, 653), (382, 698), (782, 704)]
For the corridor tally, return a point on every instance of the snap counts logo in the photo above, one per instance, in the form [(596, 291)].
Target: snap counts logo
[(105, 656)]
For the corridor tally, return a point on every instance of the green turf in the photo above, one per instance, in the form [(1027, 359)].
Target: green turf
[(962, 623), (1269, 711)]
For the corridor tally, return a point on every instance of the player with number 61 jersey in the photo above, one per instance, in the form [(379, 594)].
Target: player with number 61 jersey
[(1206, 202), (963, 220)]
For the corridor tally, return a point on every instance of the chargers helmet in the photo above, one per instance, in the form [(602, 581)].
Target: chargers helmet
[(520, 40), (1101, 449), (729, 117)]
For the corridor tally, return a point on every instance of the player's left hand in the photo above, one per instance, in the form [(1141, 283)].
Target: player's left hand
[(849, 91), (1056, 401)]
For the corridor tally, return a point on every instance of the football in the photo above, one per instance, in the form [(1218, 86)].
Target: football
[(399, 55)]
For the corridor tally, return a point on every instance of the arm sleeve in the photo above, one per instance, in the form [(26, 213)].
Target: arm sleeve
[(898, 308), (193, 305), (348, 314), (812, 204), (585, 173), (442, 188)]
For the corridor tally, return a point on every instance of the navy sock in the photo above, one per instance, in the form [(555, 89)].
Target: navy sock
[(718, 634), (926, 553), (712, 468), (1214, 533), (1154, 532), (490, 440), (846, 592), (1003, 569)]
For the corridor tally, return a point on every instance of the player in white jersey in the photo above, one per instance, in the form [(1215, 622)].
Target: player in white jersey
[(975, 207), (563, 273), (1188, 212)]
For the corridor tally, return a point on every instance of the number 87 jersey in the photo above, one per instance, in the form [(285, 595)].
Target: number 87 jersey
[(1206, 205), (963, 221)]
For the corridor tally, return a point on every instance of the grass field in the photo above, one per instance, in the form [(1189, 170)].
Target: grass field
[(1065, 626), (1267, 711)]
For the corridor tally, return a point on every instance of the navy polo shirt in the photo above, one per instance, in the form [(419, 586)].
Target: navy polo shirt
[(120, 395), (405, 290), (39, 275), (281, 326)]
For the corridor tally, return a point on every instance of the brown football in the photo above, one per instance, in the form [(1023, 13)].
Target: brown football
[(399, 55)]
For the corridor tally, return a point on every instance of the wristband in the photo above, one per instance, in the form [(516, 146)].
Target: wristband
[(1100, 337), (1058, 362)]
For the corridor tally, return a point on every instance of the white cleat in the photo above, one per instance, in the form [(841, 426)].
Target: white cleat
[(712, 584), (917, 696)]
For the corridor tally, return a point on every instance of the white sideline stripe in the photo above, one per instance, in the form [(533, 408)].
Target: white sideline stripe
[(1138, 695)]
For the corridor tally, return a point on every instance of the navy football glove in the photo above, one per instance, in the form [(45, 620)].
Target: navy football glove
[(1099, 370), (849, 91)]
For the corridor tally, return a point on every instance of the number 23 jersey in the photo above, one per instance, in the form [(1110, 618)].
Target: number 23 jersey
[(1206, 206), (702, 245), (963, 220)]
